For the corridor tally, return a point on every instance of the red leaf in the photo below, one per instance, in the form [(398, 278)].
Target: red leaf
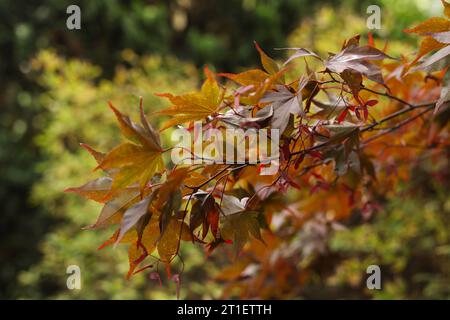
[(371, 103), (371, 41), (213, 220), (366, 113), (315, 154), (342, 116)]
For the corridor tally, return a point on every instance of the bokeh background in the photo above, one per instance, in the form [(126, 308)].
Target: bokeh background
[(54, 85)]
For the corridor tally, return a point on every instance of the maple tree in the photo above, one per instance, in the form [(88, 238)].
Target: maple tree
[(349, 131)]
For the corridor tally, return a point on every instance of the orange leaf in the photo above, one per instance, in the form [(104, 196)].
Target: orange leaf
[(427, 45), (246, 78), (446, 8), (431, 25)]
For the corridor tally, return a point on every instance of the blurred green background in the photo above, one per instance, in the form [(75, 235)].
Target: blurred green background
[(54, 87)]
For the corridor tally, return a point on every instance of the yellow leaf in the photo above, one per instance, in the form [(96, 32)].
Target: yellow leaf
[(168, 244), (135, 164), (151, 234), (210, 88), (136, 254), (140, 172), (268, 63), (188, 107)]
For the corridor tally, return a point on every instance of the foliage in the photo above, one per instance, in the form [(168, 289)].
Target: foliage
[(108, 27), (75, 95), (349, 135)]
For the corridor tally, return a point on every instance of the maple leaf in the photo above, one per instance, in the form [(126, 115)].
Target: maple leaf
[(115, 206), (144, 135), (437, 32), (339, 132), (260, 83), (95, 190), (238, 223), (204, 212), (195, 105), (134, 163), (250, 77), (133, 214), (427, 45), (446, 8), (242, 117), (299, 52), (432, 25), (168, 244), (434, 58), (268, 63), (147, 201), (357, 59), (284, 103), (98, 156)]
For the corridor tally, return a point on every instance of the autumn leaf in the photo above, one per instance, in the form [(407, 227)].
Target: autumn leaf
[(268, 63), (326, 145), (173, 182), (432, 25), (193, 106), (169, 242), (238, 224), (210, 88), (284, 103), (437, 37), (446, 8), (299, 53), (96, 190), (427, 45), (114, 206), (145, 135), (434, 58), (204, 213), (136, 254), (133, 215), (134, 163), (251, 77), (98, 156), (244, 118), (357, 59)]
